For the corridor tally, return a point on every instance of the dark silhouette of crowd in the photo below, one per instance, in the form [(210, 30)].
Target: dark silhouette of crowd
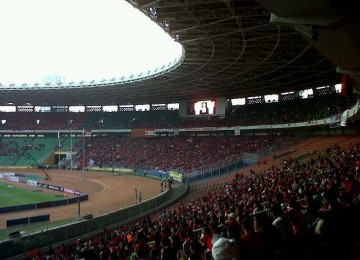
[(42, 121), (301, 209), (290, 111)]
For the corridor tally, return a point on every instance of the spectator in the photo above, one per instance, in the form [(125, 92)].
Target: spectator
[(293, 211), (224, 249)]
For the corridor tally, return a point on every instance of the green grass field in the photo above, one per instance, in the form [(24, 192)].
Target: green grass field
[(11, 196)]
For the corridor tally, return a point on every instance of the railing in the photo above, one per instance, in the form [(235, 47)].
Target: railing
[(16, 248), (216, 172)]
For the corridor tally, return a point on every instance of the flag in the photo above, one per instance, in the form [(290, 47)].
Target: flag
[(346, 85), (344, 117), (91, 163)]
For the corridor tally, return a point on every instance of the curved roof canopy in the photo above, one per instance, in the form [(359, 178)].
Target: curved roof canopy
[(62, 44), (231, 49)]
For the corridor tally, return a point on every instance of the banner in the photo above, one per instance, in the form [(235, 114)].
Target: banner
[(176, 176), (42, 185), (346, 85), (7, 174), (310, 122), (67, 190), (13, 178), (146, 132), (31, 183), (68, 155), (344, 117), (335, 119), (53, 187)]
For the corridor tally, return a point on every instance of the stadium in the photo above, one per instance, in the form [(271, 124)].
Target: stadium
[(234, 135)]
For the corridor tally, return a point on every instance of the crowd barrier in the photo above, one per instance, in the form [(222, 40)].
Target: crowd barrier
[(204, 174), (210, 173), (42, 205), (16, 248), (27, 220), (14, 177)]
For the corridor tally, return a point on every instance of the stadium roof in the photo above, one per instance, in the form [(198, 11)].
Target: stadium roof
[(232, 49)]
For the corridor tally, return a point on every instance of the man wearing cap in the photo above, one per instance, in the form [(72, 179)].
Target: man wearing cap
[(225, 249)]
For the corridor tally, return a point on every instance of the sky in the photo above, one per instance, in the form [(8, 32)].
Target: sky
[(78, 40)]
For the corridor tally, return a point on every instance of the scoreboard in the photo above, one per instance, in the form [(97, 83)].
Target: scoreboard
[(202, 107)]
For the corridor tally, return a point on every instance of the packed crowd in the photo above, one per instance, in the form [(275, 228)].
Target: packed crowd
[(289, 111), (306, 209), (176, 153), (42, 121)]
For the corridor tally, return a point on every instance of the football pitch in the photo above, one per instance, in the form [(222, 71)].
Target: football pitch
[(12, 196)]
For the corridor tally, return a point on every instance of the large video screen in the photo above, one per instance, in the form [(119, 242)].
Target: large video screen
[(203, 107)]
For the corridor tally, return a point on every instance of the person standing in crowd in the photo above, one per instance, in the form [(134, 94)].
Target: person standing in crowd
[(140, 197)]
